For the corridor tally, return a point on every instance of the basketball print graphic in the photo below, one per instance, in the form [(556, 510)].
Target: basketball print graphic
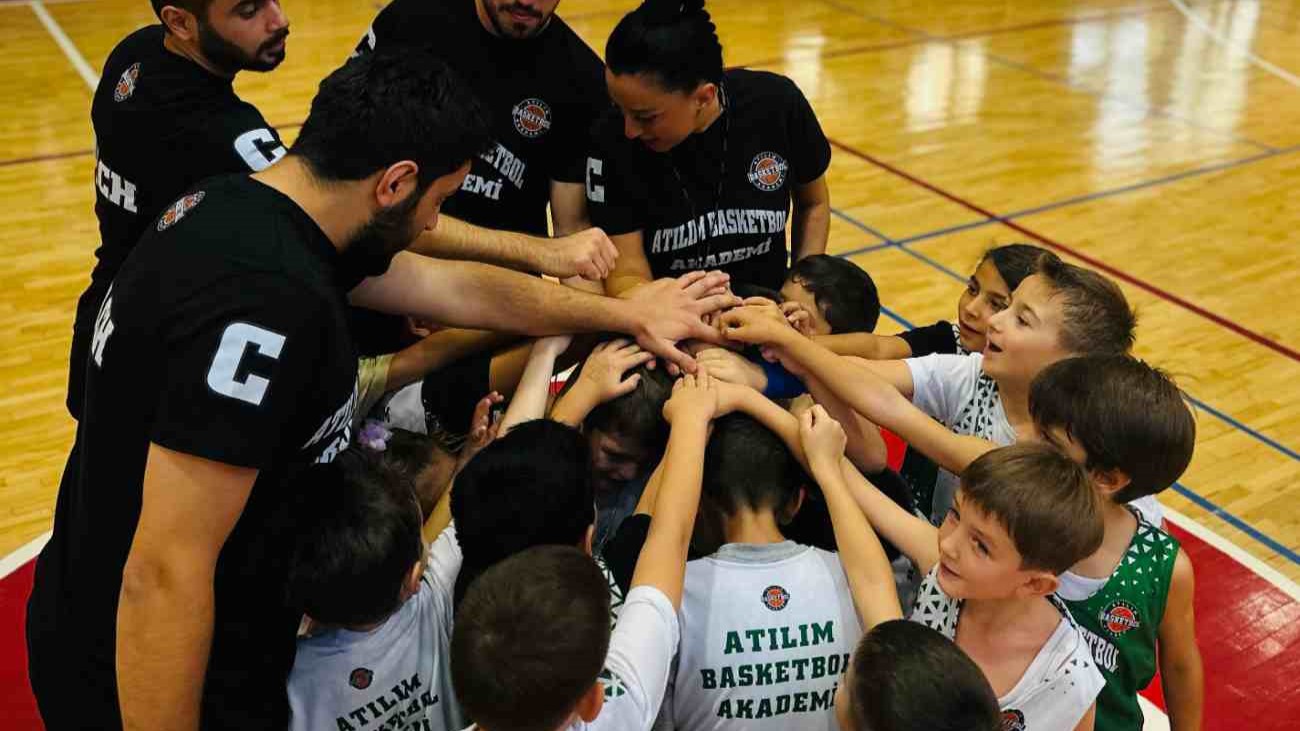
[(1119, 617), (767, 171), (178, 210), (776, 598), (532, 117), (361, 678), (126, 85), (1013, 720)]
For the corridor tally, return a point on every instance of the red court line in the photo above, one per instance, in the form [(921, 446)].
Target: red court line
[(1093, 262)]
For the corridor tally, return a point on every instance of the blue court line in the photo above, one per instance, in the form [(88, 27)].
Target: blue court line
[(1205, 503)]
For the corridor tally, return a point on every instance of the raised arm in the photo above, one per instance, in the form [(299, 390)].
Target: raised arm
[(464, 294), (913, 536), (632, 268), (601, 379), (662, 563), (812, 218), (166, 609), (866, 345), (529, 401), (871, 578)]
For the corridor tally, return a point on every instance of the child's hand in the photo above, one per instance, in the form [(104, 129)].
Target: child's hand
[(483, 428), (755, 324), (730, 367), (799, 317), (604, 369), (731, 397), (695, 398), (822, 437)]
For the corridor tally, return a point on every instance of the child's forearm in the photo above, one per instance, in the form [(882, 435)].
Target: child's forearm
[(866, 345), (860, 388), (866, 447), (871, 578), (913, 536), (662, 563), (776, 420), (574, 406), (529, 401)]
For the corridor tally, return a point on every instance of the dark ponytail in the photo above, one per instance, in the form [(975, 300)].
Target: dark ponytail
[(675, 40)]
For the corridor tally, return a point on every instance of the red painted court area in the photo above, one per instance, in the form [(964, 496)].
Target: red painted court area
[(1248, 629)]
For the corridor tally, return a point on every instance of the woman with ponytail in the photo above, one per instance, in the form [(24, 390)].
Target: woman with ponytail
[(698, 166)]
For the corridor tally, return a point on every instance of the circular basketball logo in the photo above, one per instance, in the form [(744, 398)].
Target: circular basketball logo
[(767, 171), (1119, 617), (126, 85), (775, 598), (178, 210), (532, 117), (361, 678), (1013, 720)]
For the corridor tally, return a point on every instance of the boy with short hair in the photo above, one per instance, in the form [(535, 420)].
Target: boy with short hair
[(523, 610), (1128, 424), (1022, 516)]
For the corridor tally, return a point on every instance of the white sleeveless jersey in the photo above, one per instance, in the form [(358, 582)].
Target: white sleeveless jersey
[(767, 633), (1058, 687)]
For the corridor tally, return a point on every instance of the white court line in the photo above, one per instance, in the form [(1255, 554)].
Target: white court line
[(65, 44), (1239, 554), (15, 560), (1205, 28)]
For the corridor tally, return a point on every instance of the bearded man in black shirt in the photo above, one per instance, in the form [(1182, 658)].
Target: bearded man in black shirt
[(221, 360)]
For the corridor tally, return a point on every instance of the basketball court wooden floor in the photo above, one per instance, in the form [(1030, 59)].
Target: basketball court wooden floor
[(1155, 140)]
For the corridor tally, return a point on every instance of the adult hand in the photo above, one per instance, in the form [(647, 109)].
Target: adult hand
[(588, 254), (672, 310)]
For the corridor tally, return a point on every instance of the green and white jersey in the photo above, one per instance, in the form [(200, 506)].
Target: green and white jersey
[(767, 633), (1120, 621), (1058, 687)]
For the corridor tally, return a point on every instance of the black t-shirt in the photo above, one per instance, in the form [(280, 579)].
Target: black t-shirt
[(541, 95), (162, 123), (941, 337), (772, 142), (223, 336)]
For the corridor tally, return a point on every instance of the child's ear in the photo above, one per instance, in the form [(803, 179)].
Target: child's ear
[(1040, 583), (792, 507), (1109, 482), (591, 702), (412, 583)]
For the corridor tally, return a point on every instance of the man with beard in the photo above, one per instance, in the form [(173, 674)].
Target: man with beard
[(166, 116), (221, 360)]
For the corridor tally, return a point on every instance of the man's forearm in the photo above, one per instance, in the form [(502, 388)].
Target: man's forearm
[(455, 239), (164, 632)]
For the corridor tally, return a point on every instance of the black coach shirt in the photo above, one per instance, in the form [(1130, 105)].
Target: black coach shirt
[(223, 336), (773, 144), (541, 94), (162, 123)]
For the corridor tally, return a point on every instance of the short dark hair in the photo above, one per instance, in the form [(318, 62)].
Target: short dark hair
[(1014, 262), (381, 108), (1125, 414), (198, 7), (907, 676), (529, 488), (531, 639), (843, 290), (358, 536), (747, 467), (674, 41), (1097, 317), (1043, 499), (639, 414)]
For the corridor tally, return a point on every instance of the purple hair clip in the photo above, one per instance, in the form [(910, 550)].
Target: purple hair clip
[(374, 436)]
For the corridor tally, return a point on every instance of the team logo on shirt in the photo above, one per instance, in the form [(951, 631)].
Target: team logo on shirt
[(1119, 617), (361, 678), (532, 117), (126, 85), (178, 210), (767, 171), (1013, 720), (775, 598)]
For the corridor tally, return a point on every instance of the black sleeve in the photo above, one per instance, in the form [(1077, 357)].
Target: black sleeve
[(589, 102), (624, 548), (241, 359), (810, 152), (931, 339), (614, 199), (402, 22), (242, 140)]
